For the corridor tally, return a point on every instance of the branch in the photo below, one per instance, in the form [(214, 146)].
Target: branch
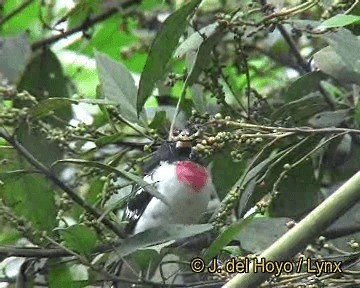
[(83, 26), (295, 51), (304, 232), (50, 175), (15, 12), (37, 252), (274, 131)]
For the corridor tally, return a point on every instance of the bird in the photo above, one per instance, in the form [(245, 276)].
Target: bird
[(183, 181)]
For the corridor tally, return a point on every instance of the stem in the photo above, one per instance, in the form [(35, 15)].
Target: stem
[(305, 130), (182, 96)]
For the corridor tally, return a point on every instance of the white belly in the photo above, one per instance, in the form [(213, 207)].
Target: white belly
[(185, 205)]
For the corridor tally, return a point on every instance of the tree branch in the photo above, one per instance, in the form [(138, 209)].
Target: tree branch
[(50, 175), (295, 51), (83, 26)]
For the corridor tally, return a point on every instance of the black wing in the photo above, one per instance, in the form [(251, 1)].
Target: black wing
[(136, 207), (137, 203)]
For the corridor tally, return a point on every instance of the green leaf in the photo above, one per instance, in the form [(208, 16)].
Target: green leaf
[(9, 237), (161, 50), (28, 19), (110, 32), (304, 85), (298, 192), (159, 120), (341, 41), (30, 196), (82, 10), (193, 42), (146, 259), (302, 109), (332, 64), (15, 53), (34, 141), (44, 77), (153, 236), (109, 139), (340, 20), (261, 232), (79, 238), (203, 56), (226, 236), (118, 86), (329, 118), (225, 173), (63, 275), (198, 98), (357, 113), (248, 182)]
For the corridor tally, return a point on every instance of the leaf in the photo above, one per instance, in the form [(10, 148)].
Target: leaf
[(118, 86), (339, 20), (226, 236), (193, 42), (153, 236), (161, 50), (340, 41), (304, 85), (298, 192), (62, 275), (15, 54), (261, 232), (79, 238), (109, 139), (32, 197), (225, 173), (149, 188), (34, 141), (147, 259), (329, 118), (198, 98), (203, 56), (44, 78), (332, 64), (302, 109), (27, 20), (248, 182), (159, 120), (357, 113), (81, 11)]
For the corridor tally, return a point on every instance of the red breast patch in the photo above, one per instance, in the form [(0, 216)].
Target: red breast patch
[(191, 174)]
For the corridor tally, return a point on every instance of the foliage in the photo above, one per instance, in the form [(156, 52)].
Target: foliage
[(91, 89)]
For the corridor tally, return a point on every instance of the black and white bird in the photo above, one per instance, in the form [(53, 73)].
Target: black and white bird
[(185, 184)]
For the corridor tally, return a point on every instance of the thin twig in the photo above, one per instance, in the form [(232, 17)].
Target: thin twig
[(182, 96), (50, 175), (273, 129), (15, 12)]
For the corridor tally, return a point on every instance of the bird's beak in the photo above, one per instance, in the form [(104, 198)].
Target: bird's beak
[(183, 144)]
